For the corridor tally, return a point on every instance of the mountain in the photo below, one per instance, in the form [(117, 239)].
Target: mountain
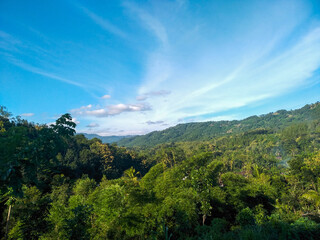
[(202, 131), (105, 139)]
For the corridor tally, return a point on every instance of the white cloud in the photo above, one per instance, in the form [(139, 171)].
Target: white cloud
[(87, 107), (51, 123), (106, 97), (27, 114), (81, 110), (110, 110), (75, 120)]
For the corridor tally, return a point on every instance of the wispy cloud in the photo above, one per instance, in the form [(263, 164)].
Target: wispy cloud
[(185, 61), (110, 110), (207, 76), (208, 70), (27, 114), (45, 74), (112, 132), (93, 125), (141, 97), (14, 46), (160, 93), (16, 51), (103, 23), (75, 120), (149, 21), (154, 123), (8, 42), (106, 97)]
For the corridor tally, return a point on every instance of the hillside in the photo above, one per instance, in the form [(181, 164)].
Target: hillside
[(251, 185), (202, 131), (105, 139)]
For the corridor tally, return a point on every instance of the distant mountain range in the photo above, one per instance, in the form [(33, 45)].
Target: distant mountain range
[(105, 139), (202, 131)]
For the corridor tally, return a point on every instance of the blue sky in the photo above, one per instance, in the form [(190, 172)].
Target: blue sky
[(131, 67)]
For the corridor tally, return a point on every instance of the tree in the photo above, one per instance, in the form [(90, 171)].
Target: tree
[(64, 125)]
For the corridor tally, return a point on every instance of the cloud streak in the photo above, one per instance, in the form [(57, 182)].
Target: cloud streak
[(106, 97), (103, 23), (8, 42), (149, 21), (45, 74), (160, 93), (27, 114), (16, 50), (154, 123), (110, 110), (93, 125)]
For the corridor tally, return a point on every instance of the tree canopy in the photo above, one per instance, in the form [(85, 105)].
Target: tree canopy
[(262, 183)]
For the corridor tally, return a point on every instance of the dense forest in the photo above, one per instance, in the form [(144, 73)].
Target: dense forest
[(258, 178)]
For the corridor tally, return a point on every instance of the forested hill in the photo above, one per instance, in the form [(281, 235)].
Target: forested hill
[(208, 130), (255, 185)]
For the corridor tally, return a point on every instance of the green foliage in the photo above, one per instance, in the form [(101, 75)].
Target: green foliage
[(245, 217), (64, 125), (16, 233), (256, 180)]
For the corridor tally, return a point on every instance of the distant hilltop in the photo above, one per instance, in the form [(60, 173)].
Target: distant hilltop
[(105, 139)]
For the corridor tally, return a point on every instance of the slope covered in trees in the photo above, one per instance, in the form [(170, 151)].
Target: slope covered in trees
[(202, 131), (255, 184)]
